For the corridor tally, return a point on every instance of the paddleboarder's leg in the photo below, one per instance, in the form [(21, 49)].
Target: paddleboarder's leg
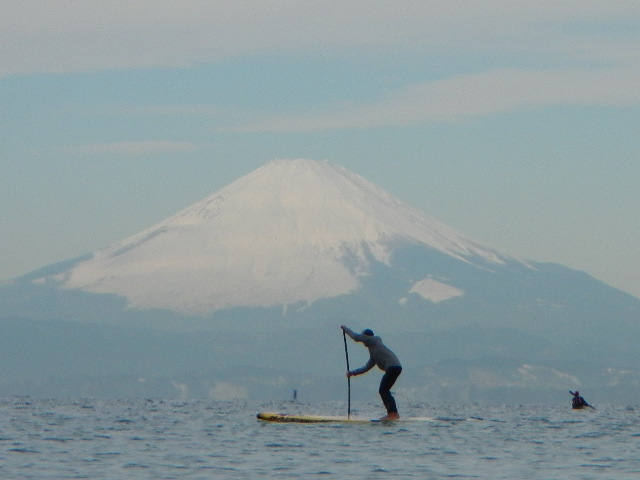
[(388, 379)]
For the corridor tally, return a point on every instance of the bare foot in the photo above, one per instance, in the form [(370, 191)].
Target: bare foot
[(390, 416)]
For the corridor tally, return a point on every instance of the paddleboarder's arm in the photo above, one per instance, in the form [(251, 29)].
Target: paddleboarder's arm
[(359, 371), (348, 331), (358, 337)]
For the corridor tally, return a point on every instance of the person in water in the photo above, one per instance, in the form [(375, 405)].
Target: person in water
[(386, 361), (577, 401)]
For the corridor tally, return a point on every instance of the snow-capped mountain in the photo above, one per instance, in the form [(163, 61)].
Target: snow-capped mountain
[(291, 231), (262, 273)]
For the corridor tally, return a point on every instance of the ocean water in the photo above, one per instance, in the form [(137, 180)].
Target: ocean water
[(155, 439)]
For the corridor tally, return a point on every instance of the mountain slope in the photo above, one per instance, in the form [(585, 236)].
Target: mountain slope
[(259, 276), (291, 231)]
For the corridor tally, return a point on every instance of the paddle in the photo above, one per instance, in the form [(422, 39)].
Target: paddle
[(346, 353)]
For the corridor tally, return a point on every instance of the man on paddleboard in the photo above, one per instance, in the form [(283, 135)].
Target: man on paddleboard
[(386, 361)]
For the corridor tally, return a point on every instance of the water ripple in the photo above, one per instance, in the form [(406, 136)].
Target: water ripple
[(162, 439)]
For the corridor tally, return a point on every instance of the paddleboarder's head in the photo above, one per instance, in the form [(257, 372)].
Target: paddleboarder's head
[(368, 332)]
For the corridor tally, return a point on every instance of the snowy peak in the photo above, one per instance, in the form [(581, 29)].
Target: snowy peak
[(278, 235), (326, 204)]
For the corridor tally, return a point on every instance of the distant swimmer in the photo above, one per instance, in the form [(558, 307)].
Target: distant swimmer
[(578, 402), (386, 361)]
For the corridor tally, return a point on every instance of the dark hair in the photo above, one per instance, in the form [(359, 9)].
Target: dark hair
[(368, 332)]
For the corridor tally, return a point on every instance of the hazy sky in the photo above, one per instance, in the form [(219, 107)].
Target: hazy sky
[(517, 123)]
